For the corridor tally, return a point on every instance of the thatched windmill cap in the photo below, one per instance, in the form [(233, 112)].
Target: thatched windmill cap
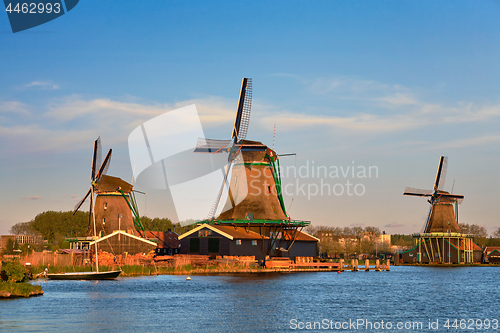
[(111, 184)]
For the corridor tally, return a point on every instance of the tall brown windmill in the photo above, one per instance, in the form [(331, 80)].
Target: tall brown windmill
[(113, 214), (441, 239), (254, 196), (442, 215)]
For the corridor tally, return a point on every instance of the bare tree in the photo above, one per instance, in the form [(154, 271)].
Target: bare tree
[(480, 233)]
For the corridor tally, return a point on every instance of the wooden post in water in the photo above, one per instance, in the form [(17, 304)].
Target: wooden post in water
[(356, 264), (341, 262), (377, 265), (388, 265), (367, 265), (353, 267)]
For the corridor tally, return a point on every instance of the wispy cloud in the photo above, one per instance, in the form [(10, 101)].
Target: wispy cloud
[(14, 107), (211, 109), (357, 225), (370, 106), (394, 225), (69, 123), (42, 85), (35, 197), (373, 108), (468, 142), (423, 116)]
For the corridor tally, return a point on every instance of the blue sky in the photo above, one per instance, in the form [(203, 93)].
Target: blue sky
[(392, 84)]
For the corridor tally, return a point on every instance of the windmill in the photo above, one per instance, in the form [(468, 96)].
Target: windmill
[(112, 204), (253, 182), (95, 177), (441, 217), (441, 240)]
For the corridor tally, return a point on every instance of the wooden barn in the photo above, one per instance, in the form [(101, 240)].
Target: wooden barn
[(304, 245), (217, 240), (225, 240), (168, 242), (492, 255), (120, 241)]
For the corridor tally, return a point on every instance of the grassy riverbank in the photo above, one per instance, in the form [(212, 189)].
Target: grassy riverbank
[(140, 270), (19, 289)]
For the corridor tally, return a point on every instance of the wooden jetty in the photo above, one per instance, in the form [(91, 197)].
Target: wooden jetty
[(285, 264)]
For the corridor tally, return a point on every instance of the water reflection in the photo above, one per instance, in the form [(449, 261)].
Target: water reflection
[(262, 303)]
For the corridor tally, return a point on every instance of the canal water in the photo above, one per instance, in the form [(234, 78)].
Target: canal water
[(409, 299)]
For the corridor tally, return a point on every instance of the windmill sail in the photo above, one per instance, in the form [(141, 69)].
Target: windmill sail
[(441, 173), (417, 192), (96, 158), (242, 118), (80, 203)]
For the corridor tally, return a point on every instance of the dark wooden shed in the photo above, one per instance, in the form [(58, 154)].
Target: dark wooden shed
[(218, 240)]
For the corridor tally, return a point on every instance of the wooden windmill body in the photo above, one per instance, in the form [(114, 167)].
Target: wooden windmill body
[(112, 211), (260, 201)]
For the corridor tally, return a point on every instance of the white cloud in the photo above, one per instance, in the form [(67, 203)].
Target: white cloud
[(394, 225), (399, 99), (211, 109), (424, 115), (42, 85), (71, 122), (35, 197), (477, 141), (14, 107)]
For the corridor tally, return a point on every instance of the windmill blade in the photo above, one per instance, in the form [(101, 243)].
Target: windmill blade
[(242, 118), (428, 219), (211, 145), (230, 161), (417, 192), (104, 166), (213, 210), (96, 158), (91, 209), (80, 203), (452, 196), (441, 173)]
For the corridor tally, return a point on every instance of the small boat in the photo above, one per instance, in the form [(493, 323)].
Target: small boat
[(109, 275)]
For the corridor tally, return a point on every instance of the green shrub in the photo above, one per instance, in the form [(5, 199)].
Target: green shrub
[(13, 271)]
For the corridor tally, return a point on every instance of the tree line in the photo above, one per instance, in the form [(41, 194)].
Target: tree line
[(344, 241), (339, 241), (55, 227)]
